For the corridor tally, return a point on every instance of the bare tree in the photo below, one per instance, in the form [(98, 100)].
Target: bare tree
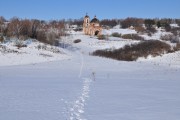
[(135, 22), (15, 27), (2, 20), (108, 22), (35, 25), (26, 28)]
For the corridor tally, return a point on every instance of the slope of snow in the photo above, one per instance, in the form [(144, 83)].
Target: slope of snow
[(90, 44), (174, 25), (121, 31), (35, 52), (157, 35), (91, 88), (171, 60), (118, 90)]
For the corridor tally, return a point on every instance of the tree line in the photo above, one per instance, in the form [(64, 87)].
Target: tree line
[(49, 31), (22, 29)]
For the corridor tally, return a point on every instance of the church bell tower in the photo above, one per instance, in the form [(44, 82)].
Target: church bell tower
[(86, 23)]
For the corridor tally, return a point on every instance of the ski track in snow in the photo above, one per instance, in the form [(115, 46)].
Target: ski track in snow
[(77, 109)]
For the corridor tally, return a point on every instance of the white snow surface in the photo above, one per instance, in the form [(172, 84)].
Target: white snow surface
[(121, 31), (156, 36), (174, 25), (85, 87), (35, 52)]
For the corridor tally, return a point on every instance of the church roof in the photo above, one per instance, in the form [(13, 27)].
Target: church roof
[(86, 16), (95, 20)]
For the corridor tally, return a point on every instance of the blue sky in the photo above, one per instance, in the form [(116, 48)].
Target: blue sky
[(59, 9)]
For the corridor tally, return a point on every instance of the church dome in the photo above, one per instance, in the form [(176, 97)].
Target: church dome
[(86, 16), (95, 20)]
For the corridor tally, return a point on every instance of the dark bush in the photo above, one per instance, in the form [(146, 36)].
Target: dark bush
[(171, 38), (177, 46), (43, 31), (48, 38), (19, 44), (132, 37), (116, 34), (175, 39), (149, 23), (110, 23), (175, 31), (149, 34), (150, 26), (133, 52), (102, 37), (167, 27), (77, 41), (56, 43), (41, 36), (166, 37), (140, 29), (1, 38), (128, 22), (151, 30), (158, 24)]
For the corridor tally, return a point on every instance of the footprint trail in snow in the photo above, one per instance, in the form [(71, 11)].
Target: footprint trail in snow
[(77, 109)]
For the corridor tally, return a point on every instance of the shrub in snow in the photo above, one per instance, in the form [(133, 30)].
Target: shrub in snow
[(116, 34), (48, 38), (77, 41), (151, 30), (149, 23), (19, 44), (109, 23), (23, 37), (158, 23), (5, 50), (41, 36), (45, 55), (103, 37), (175, 31), (150, 26), (166, 37), (167, 27), (140, 29), (177, 47), (149, 34), (175, 39), (164, 23), (48, 48), (56, 42), (132, 37), (133, 52), (44, 47), (1, 38), (171, 38), (135, 22)]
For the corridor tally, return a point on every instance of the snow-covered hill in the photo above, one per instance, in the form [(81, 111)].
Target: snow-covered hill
[(33, 52), (84, 87)]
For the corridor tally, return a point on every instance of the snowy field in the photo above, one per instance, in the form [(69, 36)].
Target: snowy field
[(35, 52), (77, 86)]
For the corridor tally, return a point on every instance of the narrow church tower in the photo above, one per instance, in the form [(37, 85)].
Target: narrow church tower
[(86, 24)]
